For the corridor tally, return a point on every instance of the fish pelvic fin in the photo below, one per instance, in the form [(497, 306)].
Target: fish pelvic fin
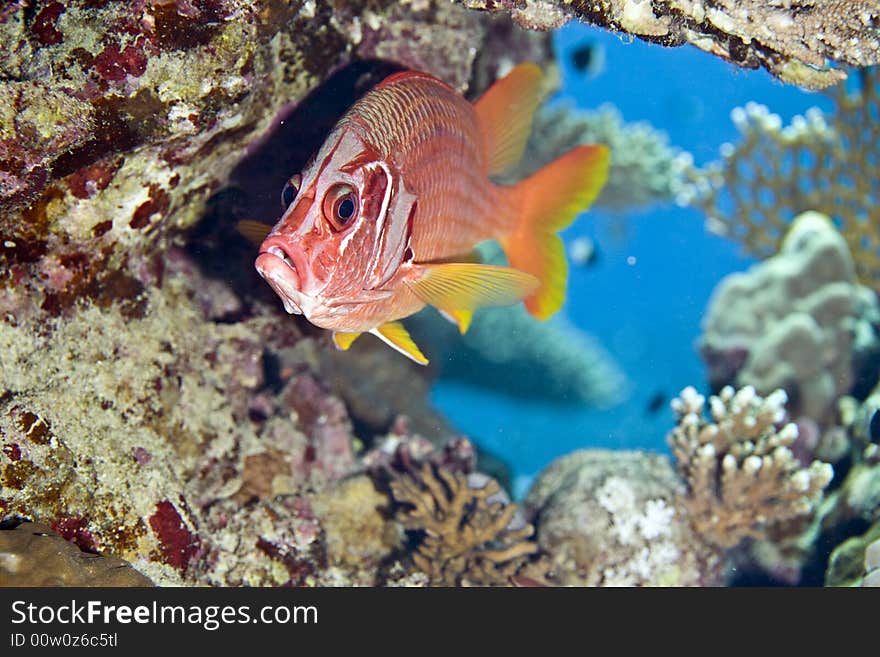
[(396, 336), (456, 289), (505, 114), (253, 231), (549, 200), (344, 340)]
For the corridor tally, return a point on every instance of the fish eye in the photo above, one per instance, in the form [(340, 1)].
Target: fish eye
[(340, 205), (291, 189)]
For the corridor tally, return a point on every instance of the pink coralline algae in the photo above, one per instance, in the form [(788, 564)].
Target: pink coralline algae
[(177, 543), (115, 65)]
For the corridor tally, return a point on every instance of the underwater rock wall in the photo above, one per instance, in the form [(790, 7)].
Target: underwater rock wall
[(795, 41), (120, 120)]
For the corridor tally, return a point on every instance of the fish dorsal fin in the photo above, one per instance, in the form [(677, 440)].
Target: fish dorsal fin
[(459, 288), (396, 336), (343, 340), (505, 114), (253, 231)]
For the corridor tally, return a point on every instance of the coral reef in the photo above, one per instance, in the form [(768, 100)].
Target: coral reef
[(31, 554), (819, 162), (742, 477), (798, 321), (472, 534), (794, 40), (121, 120), (167, 440), (645, 169), (609, 518), (630, 518), (154, 402)]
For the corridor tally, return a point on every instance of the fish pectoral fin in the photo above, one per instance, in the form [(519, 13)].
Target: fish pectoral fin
[(457, 289), (253, 231), (461, 318), (344, 340), (396, 336)]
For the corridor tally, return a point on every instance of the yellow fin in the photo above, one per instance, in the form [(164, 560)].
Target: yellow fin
[(343, 340), (460, 287), (461, 318), (253, 231), (505, 114), (549, 200), (395, 335)]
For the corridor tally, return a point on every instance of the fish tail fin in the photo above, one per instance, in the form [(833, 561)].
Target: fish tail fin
[(548, 202)]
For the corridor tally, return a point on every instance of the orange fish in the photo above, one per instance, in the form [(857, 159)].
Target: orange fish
[(383, 220)]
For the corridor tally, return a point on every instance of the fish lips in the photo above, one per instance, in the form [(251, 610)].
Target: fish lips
[(283, 269)]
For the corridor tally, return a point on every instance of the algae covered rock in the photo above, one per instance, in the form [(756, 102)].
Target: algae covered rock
[(608, 518)]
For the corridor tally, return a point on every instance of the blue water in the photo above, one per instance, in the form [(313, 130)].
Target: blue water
[(645, 297)]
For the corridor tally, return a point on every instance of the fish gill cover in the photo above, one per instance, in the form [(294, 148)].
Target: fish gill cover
[(158, 406)]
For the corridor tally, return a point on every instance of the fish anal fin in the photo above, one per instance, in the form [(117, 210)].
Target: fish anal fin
[(396, 336), (458, 289), (253, 231), (505, 114), (343, 340), (461, 318)]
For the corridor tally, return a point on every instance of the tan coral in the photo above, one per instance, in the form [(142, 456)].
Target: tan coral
[(32, 554), (471, 536), (818, 162), (741, 474)]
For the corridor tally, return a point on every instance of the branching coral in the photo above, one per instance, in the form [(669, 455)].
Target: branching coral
[(742, 477), (793, 39), (472, 537), (818, 162)]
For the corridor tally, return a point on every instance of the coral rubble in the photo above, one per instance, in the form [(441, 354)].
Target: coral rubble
[(794, 40), (799, 321)]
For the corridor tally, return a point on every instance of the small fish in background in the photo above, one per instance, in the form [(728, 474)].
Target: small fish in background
[(657, 401), (384, 219), (582, 251), (588, 58)]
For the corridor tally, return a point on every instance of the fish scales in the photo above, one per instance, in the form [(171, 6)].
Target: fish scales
[(433, 134)]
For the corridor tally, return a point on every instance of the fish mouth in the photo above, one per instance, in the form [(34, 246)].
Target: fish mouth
[(281, 268)]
